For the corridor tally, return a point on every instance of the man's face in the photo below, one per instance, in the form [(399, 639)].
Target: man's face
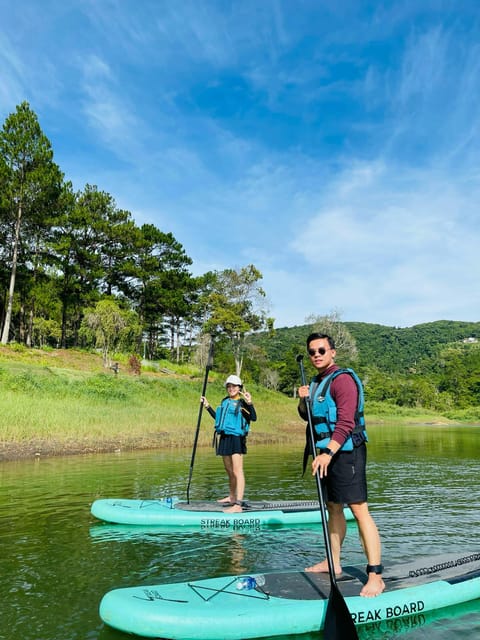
[(321, 355)]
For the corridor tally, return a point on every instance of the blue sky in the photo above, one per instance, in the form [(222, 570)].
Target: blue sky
[(334, 145)]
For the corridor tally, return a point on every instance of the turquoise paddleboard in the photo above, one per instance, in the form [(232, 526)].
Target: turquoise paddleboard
[(284, 603), (208, 515)]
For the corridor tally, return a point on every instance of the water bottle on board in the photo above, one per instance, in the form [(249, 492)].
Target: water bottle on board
[(249, 582)]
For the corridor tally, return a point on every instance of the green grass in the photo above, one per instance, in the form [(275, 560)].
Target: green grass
[(65, 401), (52, 405), (391, 413)]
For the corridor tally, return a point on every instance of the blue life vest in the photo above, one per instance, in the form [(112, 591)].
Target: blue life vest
[(229, 418), (324, 412)]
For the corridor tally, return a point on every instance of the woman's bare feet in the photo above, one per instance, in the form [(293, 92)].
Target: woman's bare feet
[(322, 567), (374, 586), (235, 508)]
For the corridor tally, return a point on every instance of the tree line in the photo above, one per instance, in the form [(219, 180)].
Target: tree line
[(77, 271), (435, 365)]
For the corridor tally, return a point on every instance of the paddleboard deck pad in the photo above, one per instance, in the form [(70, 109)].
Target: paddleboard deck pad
[(208, 515), (288, 602)]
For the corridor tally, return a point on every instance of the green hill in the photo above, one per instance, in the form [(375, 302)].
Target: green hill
[(434, 366), (391, 349)]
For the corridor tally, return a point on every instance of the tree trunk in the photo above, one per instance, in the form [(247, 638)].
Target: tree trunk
[(13, 275)]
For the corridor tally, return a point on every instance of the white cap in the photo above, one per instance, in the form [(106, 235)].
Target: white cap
[(233, 380)]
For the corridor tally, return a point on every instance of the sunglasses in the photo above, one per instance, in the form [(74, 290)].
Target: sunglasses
[(321, 352)]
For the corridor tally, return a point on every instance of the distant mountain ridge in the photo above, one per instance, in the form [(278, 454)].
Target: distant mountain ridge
[(391, 349)]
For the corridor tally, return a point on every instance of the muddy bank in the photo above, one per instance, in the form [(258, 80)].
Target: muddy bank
[(48, 448)]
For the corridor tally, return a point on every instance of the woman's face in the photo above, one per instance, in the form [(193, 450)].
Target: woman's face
[(233, 390)]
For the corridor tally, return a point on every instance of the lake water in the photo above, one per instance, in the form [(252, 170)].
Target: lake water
[(57, 561)]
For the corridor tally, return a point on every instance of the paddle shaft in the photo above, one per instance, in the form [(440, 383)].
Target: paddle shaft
[(199, 420), (339, 624), (318, 480)]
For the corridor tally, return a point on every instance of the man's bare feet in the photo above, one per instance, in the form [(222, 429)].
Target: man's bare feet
[(322, 567), (226, 500), (374, 586), (236, 508)]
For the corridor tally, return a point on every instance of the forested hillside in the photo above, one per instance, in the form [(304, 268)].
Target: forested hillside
[(391, 349), (397, 350), (434, 365)]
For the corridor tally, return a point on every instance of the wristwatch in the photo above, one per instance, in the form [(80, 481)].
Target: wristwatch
[(329, 452)]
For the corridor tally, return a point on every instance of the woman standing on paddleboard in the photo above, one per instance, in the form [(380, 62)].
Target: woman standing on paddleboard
[(232, 423)]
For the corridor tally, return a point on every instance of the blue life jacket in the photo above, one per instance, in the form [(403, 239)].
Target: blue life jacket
[(229, 418), (324, 411)]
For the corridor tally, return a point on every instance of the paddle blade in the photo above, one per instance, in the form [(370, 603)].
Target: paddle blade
[(338, 621)]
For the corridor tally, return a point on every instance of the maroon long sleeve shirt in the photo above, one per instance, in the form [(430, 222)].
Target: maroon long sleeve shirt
[(345, 394)]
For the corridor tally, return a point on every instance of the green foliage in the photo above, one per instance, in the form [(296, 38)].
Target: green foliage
[(46, 382), (331, 325), (471, 414), (434, 366), (79, 247), (18, 347), (60, 405), (109, 326), (233, 307), (74, 267), (30, 184), (400, 350)]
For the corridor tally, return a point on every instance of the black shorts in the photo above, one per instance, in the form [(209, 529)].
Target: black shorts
[(346, 481), (228, 445)]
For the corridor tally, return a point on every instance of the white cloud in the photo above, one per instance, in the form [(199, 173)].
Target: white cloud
[(378, 241)]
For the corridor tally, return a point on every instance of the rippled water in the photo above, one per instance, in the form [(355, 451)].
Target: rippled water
[(57, 561)]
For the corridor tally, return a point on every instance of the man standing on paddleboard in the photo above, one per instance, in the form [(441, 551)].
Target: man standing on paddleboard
[(336, 397)]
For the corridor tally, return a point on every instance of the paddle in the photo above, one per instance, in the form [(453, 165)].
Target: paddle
[(338, 623), (197, 431)]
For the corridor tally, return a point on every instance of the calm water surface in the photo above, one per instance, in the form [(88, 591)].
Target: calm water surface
[(57, 561)]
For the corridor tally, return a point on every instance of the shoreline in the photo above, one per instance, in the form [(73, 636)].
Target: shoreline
[(49, 448), (36, 449)]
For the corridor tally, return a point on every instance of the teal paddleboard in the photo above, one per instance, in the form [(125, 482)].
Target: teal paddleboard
[(286, 603), (208, 515)]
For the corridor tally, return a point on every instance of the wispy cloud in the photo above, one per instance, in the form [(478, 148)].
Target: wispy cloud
[(409, 241), (110, 116), (12, 70)]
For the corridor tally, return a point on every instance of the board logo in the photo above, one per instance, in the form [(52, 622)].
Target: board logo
[(409, 608), (233, 524)]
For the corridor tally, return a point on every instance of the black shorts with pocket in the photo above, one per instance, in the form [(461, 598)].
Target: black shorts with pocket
[(346, 480)]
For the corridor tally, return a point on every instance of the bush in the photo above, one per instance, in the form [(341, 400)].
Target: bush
[(134, 365)]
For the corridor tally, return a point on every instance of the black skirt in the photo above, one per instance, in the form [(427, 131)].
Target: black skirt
[(227, 445)]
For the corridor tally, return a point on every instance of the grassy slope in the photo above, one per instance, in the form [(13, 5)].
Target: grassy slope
[(64, 401)]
